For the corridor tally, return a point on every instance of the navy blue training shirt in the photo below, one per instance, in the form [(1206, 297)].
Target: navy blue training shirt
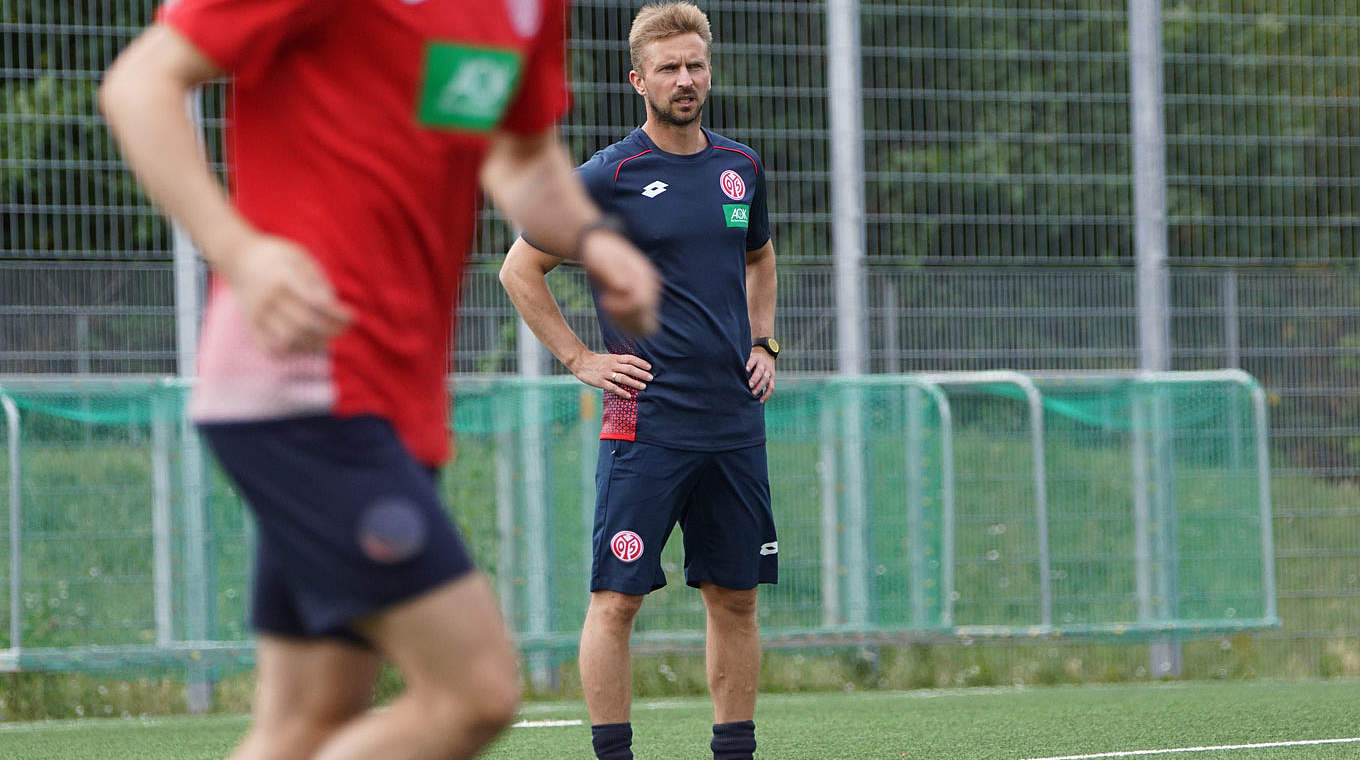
[(695, 217)]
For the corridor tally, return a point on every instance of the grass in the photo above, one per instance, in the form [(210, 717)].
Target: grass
[(975, 724)]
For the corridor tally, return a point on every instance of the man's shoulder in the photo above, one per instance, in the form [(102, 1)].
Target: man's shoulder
[(728, 144), (605, 162)]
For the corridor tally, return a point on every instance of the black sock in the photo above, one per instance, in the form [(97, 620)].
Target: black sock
[(613, 741), (734, 741)]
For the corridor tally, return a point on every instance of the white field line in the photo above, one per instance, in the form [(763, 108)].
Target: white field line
[(75, 724), (546, 723), (1222, 747)]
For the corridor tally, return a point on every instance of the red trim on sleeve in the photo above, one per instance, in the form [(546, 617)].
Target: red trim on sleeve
[(744, 153), (626, 160)]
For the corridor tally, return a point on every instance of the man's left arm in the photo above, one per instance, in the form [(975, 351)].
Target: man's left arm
[(761, 283)]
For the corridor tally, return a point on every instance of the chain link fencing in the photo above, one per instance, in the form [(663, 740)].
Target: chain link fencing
[(998, 218)]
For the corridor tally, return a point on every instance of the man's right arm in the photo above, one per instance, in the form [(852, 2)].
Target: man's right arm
[(524, 274), (283, 292)]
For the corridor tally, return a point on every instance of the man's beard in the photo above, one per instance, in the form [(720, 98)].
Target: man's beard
[(669, 116)]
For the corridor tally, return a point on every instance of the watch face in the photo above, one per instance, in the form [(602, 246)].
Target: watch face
[(774, 345)]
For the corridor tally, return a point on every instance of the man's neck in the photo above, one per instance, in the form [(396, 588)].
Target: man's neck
[(682, 141)]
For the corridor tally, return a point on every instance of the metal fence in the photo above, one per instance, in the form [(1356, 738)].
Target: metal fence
[(919, 507), (998, 209)]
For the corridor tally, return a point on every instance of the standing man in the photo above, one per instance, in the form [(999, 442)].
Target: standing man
[(358, 129), (684, 427)]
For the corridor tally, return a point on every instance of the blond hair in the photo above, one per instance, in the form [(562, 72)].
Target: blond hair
[(657, 22)]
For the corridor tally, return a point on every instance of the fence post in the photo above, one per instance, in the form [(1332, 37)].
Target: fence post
[(188, 279), (162, 498), (947, 528), (198, 596), (1232, 349), (828, 472), (1142, 510), (537, 549), (846, 117), (1036, 431), (846, 105), (590, 442), (1165, 549), (506, 563), (16, 514), (858, 547), (1258, 402), (916, 497), (1149, 183)]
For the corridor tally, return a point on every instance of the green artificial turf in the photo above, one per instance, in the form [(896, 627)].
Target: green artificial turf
[(976, 724)]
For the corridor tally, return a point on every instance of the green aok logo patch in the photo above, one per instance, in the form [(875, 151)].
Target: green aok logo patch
[(738, 215), (466, 88)]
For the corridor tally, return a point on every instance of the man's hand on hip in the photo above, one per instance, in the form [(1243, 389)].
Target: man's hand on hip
[(628, 285), (760, 371), (285, 295), (620, 374)]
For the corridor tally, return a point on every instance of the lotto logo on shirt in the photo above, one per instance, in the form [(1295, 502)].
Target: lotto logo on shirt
[(738, 215), (466, 88)]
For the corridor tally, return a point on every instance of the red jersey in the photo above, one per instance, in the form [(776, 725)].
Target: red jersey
[(357, 128)]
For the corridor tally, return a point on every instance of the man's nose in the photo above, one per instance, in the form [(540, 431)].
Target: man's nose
[(685, 80)]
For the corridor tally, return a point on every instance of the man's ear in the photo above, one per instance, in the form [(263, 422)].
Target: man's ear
[(639, 84)]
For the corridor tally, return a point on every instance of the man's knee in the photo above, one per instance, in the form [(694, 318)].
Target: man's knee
[(730, 604), (497, 701), (614, 610), (485, 709)]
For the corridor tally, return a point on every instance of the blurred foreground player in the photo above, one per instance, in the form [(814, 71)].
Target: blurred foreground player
[(684, 427), (358, 130)]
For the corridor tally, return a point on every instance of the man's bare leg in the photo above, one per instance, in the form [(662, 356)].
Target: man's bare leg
[(462, 680), (732, 652), (305, 690), (605, 661)]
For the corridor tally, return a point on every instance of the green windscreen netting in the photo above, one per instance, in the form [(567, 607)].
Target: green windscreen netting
[(922, 506)]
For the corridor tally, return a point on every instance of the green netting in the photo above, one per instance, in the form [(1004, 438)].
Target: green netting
[(916, 506)]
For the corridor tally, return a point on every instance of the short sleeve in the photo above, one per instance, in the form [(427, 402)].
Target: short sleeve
[(243, 37), (758, 229), (594, 174), (544, 96)]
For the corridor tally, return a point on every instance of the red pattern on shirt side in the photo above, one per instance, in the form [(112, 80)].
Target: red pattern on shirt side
[(620, 418)]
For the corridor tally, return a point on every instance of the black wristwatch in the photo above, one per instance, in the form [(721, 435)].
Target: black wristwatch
[(769, 344)]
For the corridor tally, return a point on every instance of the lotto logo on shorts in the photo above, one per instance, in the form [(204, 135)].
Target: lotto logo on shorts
[(626, 545), (732, 185)]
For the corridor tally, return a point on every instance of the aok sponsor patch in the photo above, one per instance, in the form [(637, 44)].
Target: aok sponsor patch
[(466, 88), (738, 214)]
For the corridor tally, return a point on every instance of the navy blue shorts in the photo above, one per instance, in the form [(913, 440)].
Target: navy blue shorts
[(721, 499), (349, 523)]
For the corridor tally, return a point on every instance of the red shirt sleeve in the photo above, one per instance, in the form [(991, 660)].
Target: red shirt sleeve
[(243, 37), (543, 97)]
